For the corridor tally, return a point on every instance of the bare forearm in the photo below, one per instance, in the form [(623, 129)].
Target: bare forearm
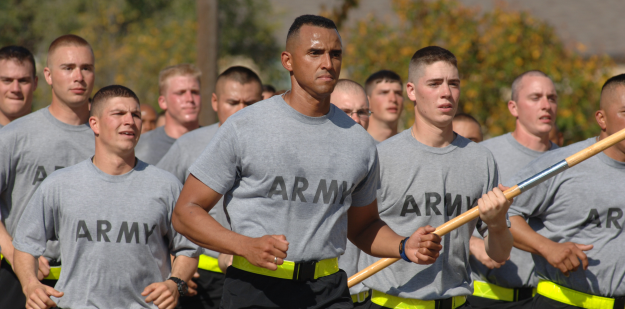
[(498, 244), (184, 267), (525, 238), (198, 226), (6, 243), (25, 266), (378, 239)]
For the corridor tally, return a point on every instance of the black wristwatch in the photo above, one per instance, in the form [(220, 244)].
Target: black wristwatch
[(183, 288)]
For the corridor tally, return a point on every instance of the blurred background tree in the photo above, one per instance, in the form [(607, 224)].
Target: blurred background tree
[(134, 39), (492, 49)]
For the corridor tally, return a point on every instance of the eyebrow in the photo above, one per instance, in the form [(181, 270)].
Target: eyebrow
[(442, 79)]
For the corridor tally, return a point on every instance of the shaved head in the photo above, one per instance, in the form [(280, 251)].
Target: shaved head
[(349, 86), (518, 82), (608, 91)]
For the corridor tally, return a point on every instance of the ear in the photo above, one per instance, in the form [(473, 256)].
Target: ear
[(214, 102), (287, 61), (48, 75), (161, 103), (601, 119), (411, 91), (512, 107), (36, 82), (94, 124)]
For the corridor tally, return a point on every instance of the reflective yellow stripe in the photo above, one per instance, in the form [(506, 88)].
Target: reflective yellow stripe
[(488, 290), (285, 271), (390, 301), (360, 297), (209, 263), (572, 297), (55, 271)]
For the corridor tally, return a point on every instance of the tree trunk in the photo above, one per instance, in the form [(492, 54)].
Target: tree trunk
[(207, 48)]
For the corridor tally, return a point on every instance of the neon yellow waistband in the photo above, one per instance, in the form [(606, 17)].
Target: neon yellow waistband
[(360, 297), (492, 291), (55, 271), (571, 297), (390, 301), (286, 270), (209, 263)]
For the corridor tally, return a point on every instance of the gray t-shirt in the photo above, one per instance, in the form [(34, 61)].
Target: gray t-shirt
[(423, 185), (518, 272), (583, 204), (153, 145), (32, 148), (180, 157), (115, 232), (286, 173)]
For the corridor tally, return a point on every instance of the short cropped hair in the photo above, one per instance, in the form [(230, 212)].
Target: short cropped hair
[(516, 84), (610, 84), (18, 54), (311, 20), (348, 85), (269, 88), (466, 117), (427, 56), (107, 93), (67, 40), (383, 76), (184, 69)]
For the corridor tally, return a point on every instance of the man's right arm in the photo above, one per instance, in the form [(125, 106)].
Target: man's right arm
[(6, 244), (37, 294), (191, 219), (564, 256)]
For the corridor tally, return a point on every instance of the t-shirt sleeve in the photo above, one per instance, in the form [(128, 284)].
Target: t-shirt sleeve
[(36, 226), (7, 140), (173, 163), (178, 244), (365, 192), (218, 164)]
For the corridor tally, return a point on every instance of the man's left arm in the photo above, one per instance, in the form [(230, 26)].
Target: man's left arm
[(493, 208), (165, 294)]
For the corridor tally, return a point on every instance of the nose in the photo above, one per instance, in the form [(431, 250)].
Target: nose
[(326, 61), (77, 74), (15, 86), (544, 103), (445, 91)]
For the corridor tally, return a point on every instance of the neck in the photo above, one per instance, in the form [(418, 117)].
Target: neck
[(112, 163), (67, 114), (175, 130), (380, 130), (4, 119), (306, 103), (613, 152), (537, 143), (432, 135)]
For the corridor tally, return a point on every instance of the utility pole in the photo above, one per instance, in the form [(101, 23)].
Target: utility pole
[(207, 49)]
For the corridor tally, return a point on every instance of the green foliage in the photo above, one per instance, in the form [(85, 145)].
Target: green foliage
[(134, 39), (492, 49)]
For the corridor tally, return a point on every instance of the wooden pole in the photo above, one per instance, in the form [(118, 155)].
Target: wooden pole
[(521, 187), (207, 54)]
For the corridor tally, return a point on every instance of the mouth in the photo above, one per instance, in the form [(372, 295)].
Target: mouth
[(326, 77), (78, 90), (446, 107), (392, 110), (128, 133), (545, 119)]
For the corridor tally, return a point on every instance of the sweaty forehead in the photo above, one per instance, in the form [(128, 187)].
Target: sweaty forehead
[(536, 83), (310, 36), (436, 70)]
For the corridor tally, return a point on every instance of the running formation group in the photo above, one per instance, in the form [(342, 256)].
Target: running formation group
[(288, 195)]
